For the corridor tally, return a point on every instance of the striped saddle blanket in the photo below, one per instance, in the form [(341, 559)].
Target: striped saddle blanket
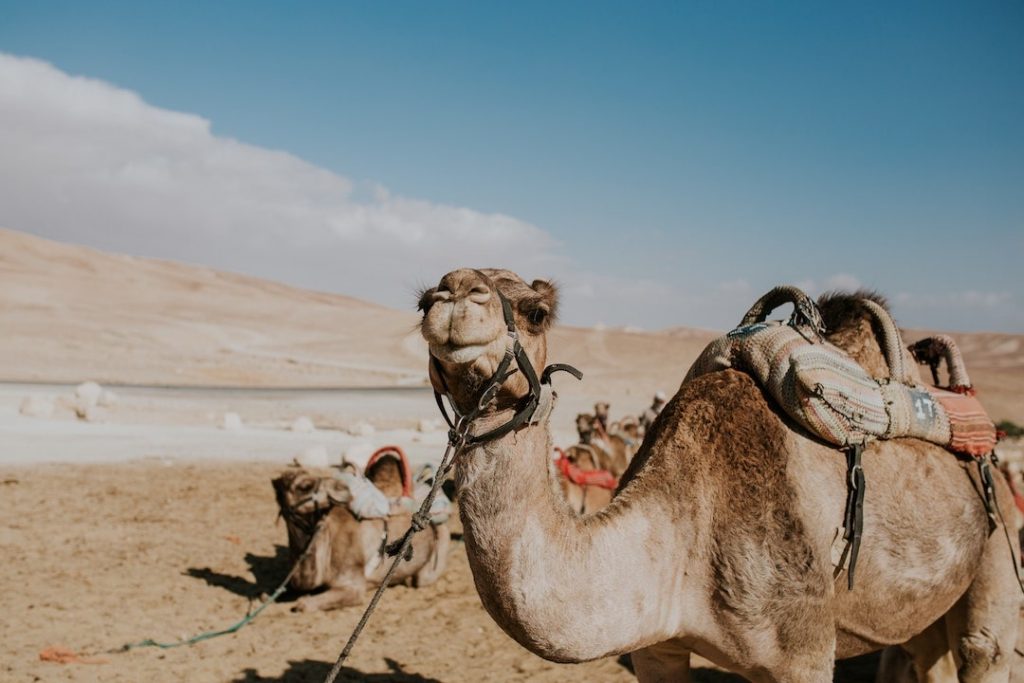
[(826, 391)]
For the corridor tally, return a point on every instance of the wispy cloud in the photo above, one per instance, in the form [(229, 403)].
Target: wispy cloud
[(84, 161)]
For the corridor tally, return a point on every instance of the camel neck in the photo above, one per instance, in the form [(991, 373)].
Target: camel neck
[(568, 588)]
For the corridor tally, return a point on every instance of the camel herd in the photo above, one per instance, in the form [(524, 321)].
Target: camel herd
[(707, 525)]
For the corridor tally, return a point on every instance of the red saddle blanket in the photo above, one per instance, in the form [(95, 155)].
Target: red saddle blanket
[(970, 428), (600, 478)]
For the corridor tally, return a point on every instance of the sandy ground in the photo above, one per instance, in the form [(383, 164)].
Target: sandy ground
[(100, 555)]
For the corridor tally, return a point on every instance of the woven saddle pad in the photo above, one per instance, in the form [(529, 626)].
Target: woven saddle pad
[(828, 393)]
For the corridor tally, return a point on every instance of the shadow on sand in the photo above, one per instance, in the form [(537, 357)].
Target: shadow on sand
[(311, 671), (269, 572), (856, 670)]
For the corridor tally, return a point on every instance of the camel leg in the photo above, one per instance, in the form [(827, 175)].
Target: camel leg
[(982, 626), (667, 662), (332, 598), (347, 590), (932, 660), (897, 666), (438, 561)]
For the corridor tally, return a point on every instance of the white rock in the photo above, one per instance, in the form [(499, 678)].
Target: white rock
[(36, 406), (232, 422), (86, 412), (303, 425), (88, 394), (107, 399), (363, 429), (358, 453), (314, 456)]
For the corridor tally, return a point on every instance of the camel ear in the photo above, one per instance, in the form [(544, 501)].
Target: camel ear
[(426, 298)]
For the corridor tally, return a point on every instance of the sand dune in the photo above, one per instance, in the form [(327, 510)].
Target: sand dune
[(71, 313)]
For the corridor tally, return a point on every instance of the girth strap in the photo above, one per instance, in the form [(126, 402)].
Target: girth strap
[(988, 490), (853, 521)]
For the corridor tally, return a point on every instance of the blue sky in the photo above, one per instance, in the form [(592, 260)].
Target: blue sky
[(671, 161)]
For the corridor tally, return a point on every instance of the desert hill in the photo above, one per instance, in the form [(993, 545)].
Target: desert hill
[(70, 313)]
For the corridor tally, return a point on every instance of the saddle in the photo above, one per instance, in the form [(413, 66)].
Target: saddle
[(571, 471), (373, 497), (829, 394)]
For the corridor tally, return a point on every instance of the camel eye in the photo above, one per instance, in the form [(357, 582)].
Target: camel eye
[(537, 316), (305, 486)]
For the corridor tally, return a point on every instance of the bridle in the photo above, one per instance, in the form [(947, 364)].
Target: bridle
[(528, 404)]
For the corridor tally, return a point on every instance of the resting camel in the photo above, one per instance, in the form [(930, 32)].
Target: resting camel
[(347, 556), (719, 538)]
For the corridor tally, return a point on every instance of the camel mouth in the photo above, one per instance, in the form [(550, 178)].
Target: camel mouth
[(458, 354)]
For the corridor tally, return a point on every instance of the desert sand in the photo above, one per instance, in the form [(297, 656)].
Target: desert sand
[(152, 515)]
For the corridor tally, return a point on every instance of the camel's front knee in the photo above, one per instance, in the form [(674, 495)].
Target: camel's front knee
[(662, 663), (982, 658)]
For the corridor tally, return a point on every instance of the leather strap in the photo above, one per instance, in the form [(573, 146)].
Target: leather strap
[(853, 523)]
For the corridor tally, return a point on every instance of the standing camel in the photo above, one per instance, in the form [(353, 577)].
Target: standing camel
[(719, 538), (613, 451)]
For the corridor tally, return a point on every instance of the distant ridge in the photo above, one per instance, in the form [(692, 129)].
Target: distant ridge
[(69, 313)]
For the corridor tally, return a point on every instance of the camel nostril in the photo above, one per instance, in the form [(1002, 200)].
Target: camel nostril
[(480, 294)]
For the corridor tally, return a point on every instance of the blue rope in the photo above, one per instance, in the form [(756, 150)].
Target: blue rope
[(207, 635)]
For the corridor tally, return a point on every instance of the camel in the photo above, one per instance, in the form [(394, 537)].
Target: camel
[(584, 498), (629, 428), (614, 451), (348, 554), (719, 538)]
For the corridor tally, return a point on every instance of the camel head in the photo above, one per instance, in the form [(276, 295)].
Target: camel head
[(585, 427), (630, 426), (464, 327), (301, 493)]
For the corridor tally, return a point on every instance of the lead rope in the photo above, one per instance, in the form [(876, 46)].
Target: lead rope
[(237, 626), (402, 549)]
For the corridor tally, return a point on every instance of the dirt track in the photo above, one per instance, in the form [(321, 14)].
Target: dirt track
[(100, 555)]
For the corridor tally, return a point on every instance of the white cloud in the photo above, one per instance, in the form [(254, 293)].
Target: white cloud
[(84, 161), (88, 162), (843, 281), (739, 286)]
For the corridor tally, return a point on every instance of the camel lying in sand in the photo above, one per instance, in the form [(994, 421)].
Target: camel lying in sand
[(719, 538), (348, 554)]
